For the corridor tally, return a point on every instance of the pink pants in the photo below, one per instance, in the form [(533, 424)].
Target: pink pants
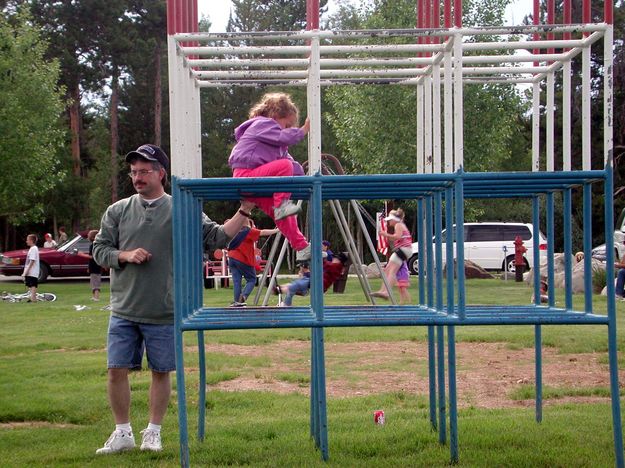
[(288, 226)]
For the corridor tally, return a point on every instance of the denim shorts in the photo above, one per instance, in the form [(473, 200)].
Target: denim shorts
[(127, 340)]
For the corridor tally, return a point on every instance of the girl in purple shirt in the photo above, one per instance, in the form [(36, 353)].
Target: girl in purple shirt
[(262, 151)]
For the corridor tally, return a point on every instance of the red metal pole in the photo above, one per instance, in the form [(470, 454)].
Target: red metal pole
[(551, 17), (195, 27), (436, 17), (428, 21), (179, 16), (420, 22), (447, 13), (608, 12), (586, 13), (458, 13), (312, 14), (171, 17), (536, 21)]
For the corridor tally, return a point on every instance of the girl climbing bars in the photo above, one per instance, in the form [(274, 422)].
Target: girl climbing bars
[(262, 150)]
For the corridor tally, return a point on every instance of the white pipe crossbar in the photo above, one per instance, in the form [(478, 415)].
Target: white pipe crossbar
[(304, 50), (438, 70), (253, 74), (324, 63), (386, 33), (296, 83)]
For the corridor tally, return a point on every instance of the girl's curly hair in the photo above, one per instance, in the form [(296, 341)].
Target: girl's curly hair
[(275, 106)]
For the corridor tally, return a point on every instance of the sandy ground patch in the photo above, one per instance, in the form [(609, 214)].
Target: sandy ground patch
[(487, 372)]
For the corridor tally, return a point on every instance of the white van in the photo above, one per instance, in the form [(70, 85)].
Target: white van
[(619, 241), (491, 245)]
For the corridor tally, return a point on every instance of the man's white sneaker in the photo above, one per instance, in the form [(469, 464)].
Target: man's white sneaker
[(286, 209), (151, 440), (119, 441)]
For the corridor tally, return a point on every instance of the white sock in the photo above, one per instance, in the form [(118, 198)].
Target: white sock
[(154, 427), (124, 427)]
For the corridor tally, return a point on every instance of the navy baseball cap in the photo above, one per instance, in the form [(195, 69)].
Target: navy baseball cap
[(150, 153)]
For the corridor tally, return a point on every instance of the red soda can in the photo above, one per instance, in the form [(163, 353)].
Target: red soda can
[(378, 417)]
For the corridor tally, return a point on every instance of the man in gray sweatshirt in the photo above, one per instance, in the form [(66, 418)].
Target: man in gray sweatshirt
[(135, 243)]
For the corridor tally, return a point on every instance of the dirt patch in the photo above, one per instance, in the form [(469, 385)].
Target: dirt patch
[(31, 424), (487, 373)]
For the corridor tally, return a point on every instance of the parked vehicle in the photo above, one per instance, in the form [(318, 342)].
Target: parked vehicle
[(599, 251), (619, 231), (490, 245), (62, 261)]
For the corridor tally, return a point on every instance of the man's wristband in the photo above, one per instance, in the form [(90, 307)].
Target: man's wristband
[(244, 213)]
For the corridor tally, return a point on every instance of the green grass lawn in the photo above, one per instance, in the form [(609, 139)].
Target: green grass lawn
[(54, 409)]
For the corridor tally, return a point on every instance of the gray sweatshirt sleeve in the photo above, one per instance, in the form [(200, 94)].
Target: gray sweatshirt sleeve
[(213, 234), (106, 242)]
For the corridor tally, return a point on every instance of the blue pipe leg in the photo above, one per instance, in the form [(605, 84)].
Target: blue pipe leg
[(202, 384), (322, 422), (442, 416), (432, 376), (314, 412), (182, 403), (539, 372), (453, 399), (617, 425)]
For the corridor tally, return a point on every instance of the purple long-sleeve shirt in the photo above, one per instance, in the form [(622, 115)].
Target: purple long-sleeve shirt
[(261, 140)]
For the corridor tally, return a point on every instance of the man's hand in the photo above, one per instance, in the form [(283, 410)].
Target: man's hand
[(138, 256)]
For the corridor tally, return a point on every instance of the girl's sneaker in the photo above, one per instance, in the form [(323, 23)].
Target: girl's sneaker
[(303, 255), (286, 209)]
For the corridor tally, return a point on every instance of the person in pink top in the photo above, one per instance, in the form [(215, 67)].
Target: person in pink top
[(402, 249), (262, 150)]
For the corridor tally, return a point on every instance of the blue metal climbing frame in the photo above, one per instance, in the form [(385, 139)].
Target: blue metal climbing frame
[(440, 305), (456, 57)]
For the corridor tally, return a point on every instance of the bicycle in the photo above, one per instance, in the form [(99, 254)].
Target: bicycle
[(25, 297)]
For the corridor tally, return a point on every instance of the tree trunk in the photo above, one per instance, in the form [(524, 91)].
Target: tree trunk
[(114, 133), (158, 97), (74, 122)]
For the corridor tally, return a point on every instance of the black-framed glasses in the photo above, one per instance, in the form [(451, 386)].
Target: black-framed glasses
[(141, 172)]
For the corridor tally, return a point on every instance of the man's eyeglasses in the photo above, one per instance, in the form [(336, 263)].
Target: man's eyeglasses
[(142, 173)]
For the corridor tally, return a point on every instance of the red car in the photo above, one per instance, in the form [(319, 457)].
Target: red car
[(53, 262)]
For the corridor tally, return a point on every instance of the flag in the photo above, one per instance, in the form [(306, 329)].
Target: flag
[(380, 225)]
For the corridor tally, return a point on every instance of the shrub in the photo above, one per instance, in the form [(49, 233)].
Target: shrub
[(599, 279)]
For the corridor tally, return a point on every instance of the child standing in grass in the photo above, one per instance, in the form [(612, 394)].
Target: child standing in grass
[(95, 270), (31, 267), (262, 151)]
